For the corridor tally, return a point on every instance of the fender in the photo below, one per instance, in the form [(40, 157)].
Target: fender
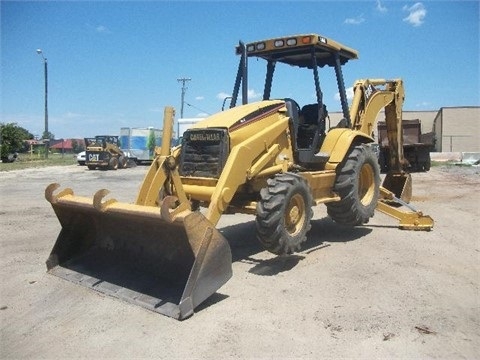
[(338, 142)]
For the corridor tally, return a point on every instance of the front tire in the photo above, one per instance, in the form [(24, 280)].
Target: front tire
[(284, 213), (358, 184)]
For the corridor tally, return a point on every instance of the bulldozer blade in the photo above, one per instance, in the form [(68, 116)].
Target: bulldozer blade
[(133, 253), (400, 184)]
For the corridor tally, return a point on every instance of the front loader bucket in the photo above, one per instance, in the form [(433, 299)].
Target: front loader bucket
[(134, 253), (400, 184)]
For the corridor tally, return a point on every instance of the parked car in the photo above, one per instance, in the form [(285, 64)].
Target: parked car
[(9, 158), (81, 158)]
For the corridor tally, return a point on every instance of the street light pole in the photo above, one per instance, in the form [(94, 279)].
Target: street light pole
[(46, 133)]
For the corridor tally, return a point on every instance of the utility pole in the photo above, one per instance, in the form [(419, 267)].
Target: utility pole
[(46, 133), (184, 90)]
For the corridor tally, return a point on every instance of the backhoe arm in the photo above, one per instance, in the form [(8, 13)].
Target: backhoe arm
[(370, 96), (369, 99)]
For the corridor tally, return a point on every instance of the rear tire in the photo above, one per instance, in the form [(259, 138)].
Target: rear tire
[(122, 162), (358, 184), (113, 163), (284, 213)]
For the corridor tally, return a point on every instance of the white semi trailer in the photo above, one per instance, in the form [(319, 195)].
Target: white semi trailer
[(139, 143)]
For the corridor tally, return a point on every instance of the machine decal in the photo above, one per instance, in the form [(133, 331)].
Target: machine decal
[(256, 115)]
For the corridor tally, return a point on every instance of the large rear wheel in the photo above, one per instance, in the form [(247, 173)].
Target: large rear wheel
[(284, 213), (122, 162), (358, 184), (113, 163)]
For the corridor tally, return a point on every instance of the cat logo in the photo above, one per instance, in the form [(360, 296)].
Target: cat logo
[(205, 137)]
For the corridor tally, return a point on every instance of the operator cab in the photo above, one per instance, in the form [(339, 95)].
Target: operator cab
[(311, 51)]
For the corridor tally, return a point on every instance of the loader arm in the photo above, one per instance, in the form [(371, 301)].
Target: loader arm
[(247, 160), (162, 178)]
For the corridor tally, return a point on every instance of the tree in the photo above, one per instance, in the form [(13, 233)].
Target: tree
[(48, 135), (12, 139), (151, 142), (77, 146)]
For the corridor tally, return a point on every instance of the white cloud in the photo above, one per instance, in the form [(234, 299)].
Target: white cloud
[(417, 13), (253, 95), (200, 98), (72, 115), (355, 21), (102, 29), (223, 95), (380, 7), (423, 104), (349, 92), (99, 29)]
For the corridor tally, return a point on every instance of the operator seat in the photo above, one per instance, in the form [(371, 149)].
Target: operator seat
[(310, 114), (309, 126)]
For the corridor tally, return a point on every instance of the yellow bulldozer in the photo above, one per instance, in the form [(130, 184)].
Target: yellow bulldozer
[(271, 158)]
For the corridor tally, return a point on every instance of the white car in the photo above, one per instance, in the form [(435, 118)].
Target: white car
[(81, 157)]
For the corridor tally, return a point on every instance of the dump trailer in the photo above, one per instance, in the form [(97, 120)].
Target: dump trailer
[(416, 146), (103, 152), (272, 158)]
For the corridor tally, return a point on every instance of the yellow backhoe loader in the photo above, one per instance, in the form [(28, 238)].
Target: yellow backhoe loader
[(270, 158)]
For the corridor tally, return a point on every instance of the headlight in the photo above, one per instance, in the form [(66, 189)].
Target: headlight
[(292, 42), (261, 46)]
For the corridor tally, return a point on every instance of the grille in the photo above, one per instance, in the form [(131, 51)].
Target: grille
[(204, 152)]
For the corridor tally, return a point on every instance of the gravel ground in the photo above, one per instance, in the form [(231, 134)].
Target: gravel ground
[(369, 292)]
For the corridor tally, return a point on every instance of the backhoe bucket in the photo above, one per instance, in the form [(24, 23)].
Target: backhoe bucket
[(400, 184), (133, 252)]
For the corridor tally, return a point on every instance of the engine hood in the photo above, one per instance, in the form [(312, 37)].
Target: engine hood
[(240, 116)]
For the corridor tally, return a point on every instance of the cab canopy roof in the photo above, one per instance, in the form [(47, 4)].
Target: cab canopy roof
[(296, 50)]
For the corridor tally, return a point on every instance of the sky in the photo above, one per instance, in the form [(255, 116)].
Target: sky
[(114, 64)]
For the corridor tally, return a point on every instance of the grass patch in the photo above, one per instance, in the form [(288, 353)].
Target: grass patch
[(449, 164), (25, 161)]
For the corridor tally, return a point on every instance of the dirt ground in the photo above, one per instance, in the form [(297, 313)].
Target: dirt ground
[(369, 292)]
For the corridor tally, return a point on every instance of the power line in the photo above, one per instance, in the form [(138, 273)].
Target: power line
[(206, 112)]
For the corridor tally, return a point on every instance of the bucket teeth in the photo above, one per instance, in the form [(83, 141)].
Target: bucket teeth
[(98, 197), (171, 210), (51, 198)]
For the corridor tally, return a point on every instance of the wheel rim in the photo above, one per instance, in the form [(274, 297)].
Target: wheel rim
[(295, 215), (366, 184)]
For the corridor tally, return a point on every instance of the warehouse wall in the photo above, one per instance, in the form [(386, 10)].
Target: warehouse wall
[(459, 128), (456, 129)]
